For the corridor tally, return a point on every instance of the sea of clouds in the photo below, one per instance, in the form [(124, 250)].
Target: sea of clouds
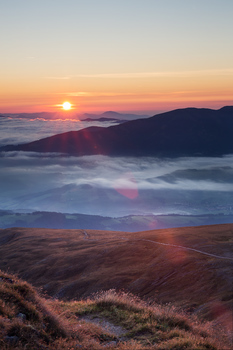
[(113, 186), (22, 130)]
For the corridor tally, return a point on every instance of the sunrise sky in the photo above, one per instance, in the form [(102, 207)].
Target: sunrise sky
[(123, 55)]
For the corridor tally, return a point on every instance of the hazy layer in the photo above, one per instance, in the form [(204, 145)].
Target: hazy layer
[(115, 186), (21, 130), (104, 185)]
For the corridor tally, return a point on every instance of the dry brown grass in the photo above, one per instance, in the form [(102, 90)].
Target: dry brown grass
[(70, 264), (26, 320), (147, 326), (29, 321)]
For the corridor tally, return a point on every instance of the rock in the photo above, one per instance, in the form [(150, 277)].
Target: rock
[(12, 340), (6, 279), (111, 343), (22, 317)]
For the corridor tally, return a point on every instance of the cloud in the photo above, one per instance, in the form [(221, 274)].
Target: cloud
[(103, 171), (20, 130), (138, 75), (59, 78), (104, 185), (119, 185), (96, 94)]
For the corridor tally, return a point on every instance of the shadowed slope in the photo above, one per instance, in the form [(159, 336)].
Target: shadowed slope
[(26, 320), (184, 132)]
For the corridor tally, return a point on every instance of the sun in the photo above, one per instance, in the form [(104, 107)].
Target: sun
[(66, 106)]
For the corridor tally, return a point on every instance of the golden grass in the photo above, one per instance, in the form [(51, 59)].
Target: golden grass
[(25, 318), (149, 326), (69, 264), (28, 321)]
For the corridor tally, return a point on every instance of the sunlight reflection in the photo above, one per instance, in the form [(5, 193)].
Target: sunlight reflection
[(175, 255), (153, 224), (127, 186), (222, 315)]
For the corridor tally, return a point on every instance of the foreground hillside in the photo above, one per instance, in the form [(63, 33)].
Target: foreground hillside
[(153, 264), (109, 320), (182, 132)]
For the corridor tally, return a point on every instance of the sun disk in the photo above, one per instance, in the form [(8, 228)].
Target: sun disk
[(66, 106)]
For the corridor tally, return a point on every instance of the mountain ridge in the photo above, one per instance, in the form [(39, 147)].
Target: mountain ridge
[(73, 115), (129, 223), (181, 132)]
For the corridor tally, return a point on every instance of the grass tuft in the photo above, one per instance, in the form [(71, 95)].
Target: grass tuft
[(107, 320)]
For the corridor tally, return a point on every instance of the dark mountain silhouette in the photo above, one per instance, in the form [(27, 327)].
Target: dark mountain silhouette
[(104, 120), (113, 115), (73, 115), (182, 132)]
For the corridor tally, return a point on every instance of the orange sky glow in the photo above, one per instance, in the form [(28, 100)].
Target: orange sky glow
[(212, 90), (150, 57)]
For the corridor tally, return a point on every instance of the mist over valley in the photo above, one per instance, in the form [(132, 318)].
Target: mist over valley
[(110, 186)]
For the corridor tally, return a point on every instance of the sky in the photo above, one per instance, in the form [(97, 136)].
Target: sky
[(122, 55)]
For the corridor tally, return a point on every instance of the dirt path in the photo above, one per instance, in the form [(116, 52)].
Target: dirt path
[(187, 248), (106, 325), (87, 236), (182, 247)]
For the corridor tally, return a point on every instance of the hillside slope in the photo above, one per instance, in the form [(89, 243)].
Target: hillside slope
[(183, 132), (109, 320), (153, 264)]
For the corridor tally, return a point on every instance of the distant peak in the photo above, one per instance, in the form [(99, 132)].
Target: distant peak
[(111, 112)]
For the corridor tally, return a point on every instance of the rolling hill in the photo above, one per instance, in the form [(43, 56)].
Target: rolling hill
[(152, 264), (182, 132), (129, 223), (189, 267)]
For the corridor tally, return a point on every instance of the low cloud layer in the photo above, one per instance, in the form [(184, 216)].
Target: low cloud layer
[(104, 185), (32, 180), (19, 130)]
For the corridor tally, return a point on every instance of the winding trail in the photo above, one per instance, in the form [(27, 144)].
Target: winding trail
[(182, 247), (87, 236)]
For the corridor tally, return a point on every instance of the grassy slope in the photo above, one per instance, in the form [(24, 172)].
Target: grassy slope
[(28, 321), (75, 263)]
